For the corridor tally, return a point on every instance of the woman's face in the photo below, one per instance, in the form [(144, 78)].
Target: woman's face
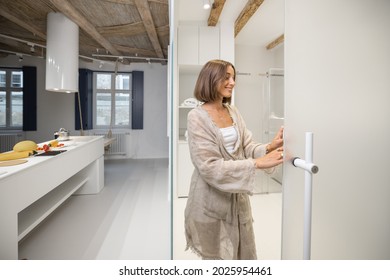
[(225, 88)]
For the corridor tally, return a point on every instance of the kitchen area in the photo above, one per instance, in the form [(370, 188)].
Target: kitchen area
[(91, 165), (31, 189)]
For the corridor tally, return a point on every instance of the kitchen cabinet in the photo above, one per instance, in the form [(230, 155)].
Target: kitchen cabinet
[(208, 44), (189, 45), (198, 44)]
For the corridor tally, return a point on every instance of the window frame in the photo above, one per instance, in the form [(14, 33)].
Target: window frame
[(113, 91), (9, 89)]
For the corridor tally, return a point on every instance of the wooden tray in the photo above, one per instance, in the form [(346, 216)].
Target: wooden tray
[(12, 162)]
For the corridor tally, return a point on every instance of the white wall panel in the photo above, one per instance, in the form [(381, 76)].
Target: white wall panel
[(337, 86)]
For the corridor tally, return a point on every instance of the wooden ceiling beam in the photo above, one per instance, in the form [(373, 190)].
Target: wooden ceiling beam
[(215, 12), (275, 42), (163, 30), (144, 11), (248, 11), (26, 25), (73, 14)]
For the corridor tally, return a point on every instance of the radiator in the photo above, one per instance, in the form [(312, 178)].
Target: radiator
[(119, 146), (7, 141)]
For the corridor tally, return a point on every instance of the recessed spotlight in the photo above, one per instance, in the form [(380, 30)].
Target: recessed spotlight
[(206, 4)]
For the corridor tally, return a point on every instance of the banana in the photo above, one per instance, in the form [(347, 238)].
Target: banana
[(15, 155), (53, 143)]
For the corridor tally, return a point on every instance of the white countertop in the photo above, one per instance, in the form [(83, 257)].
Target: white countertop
[(71, 144)]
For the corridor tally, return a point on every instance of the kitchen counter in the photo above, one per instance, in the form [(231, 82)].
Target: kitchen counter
[(31, 191)]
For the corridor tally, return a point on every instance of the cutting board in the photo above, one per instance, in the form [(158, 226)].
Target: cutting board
[(12, 162)]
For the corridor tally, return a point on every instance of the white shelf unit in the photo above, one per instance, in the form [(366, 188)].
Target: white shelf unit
[(34, 214), (188, 75)]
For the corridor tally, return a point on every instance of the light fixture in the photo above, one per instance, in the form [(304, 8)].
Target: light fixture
[(62, 54), (32, 47), (206, 4), (130, 57)]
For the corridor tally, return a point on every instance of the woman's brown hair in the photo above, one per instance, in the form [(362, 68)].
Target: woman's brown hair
[(212, 74)]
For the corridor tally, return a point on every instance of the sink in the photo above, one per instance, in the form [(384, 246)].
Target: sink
[(84, 138)]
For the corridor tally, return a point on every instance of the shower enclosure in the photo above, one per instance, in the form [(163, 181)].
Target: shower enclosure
[(273, 119)]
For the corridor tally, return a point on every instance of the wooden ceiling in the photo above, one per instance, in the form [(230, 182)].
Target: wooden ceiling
[(128, 28), (133, 28)]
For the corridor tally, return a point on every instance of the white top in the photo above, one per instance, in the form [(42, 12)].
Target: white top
[(230, 137)]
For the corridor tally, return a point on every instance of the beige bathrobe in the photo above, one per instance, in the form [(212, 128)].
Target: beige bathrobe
[(218, 217)]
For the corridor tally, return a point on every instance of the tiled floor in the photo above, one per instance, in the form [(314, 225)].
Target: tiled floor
[(131, 219)]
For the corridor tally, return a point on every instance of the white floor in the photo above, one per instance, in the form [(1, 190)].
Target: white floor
[(128, 219), (131, 219), (267, 215)]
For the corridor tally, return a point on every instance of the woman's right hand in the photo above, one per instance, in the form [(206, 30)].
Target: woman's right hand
[(271, 159)]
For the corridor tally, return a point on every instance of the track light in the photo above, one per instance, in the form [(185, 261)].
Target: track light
[(32, 47), (130, 57)]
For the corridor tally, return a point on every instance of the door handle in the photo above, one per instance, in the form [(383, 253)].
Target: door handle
[(310, 169)]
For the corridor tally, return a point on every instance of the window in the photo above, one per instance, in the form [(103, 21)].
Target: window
[(112, 100), (11, 99)]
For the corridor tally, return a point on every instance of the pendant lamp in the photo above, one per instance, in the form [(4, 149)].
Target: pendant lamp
[(62, 54)]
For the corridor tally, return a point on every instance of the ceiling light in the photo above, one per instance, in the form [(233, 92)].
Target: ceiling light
[(206, 4)]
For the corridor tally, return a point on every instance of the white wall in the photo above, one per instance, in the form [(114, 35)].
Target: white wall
[(55, 110)]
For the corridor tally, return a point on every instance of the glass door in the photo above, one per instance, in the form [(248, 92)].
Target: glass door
[(273, 108)]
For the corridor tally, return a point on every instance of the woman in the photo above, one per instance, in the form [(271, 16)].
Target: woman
[(218, 218)]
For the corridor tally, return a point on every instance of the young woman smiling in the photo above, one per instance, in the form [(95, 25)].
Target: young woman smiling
[(218, 217)]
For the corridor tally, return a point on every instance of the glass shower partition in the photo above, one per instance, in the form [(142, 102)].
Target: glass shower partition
[(273, 119)]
